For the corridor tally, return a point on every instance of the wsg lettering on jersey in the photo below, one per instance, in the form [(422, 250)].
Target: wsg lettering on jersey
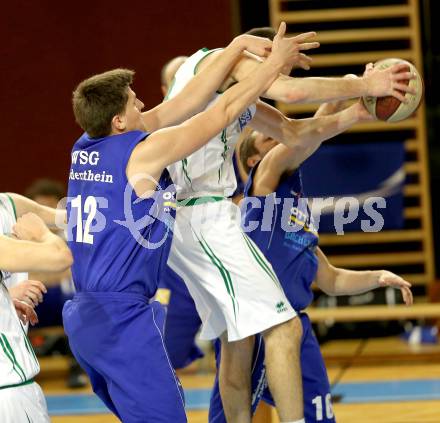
[(84, 157)]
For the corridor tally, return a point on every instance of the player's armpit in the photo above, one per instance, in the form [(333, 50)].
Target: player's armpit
[(245, 66), (280, 90), (271, 122)]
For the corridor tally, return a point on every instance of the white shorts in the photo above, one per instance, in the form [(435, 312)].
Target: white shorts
[(23, 404), (233, 285)]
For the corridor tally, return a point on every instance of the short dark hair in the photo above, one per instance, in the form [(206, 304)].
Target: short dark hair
[(99, 98), (264, 31), (46, 187), (248, 149)]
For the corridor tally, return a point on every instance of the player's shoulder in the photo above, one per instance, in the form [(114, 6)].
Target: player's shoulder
[(197, 61)]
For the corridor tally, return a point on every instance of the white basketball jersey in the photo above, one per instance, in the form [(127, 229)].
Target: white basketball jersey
[(210, 170), (7, 221), (17, 358)]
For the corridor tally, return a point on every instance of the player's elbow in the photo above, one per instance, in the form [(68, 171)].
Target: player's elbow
[(328, 282), (294, 95), (328, 289), (62, 260)]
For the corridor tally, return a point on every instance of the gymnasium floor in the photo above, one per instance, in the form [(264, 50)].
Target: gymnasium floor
[(393, 391)]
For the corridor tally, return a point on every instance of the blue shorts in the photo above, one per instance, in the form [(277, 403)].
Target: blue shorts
[(182, 321), (117, 339), (316, 387)]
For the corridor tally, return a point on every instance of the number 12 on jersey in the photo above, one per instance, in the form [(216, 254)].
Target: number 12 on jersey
[(90, 208)]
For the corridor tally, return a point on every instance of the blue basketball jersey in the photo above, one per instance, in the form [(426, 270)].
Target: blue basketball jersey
[(285, 235), (119, 242)]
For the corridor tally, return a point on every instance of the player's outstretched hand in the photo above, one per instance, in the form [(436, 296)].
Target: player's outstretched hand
[(289, 49), (301, 60), (389, 81), (387, 278), (256, 45), (25, 312), (30, 292), (30, 227)]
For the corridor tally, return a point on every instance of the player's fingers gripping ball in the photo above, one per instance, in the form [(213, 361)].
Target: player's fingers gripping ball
[(389, 108)]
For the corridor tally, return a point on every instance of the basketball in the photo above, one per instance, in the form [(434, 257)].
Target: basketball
[(389, 108)]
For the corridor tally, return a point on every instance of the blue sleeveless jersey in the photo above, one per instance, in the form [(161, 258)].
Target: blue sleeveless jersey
[(119, 242), (285, 235)]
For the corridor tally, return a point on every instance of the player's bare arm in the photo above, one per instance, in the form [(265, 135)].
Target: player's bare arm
[(287, 89), (36, 249), (248, 61), (172, 144), (52, 218), (49, 215), (199, 91), (336, 281), (300, 138)]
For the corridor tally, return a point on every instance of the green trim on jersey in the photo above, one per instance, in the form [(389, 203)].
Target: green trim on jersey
[(224, 141), (195, 201), (185, 172), (17, 385), (11, 356), (13, 206), (226, 276), (261, 260)]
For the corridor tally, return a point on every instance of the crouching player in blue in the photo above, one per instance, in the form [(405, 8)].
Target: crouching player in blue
[(120, 214), (275, 184)]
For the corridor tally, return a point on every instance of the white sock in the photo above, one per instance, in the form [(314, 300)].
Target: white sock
[(296, 421)]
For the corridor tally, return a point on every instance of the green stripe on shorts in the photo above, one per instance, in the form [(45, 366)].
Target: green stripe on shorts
[(226, 276), (261, 260)]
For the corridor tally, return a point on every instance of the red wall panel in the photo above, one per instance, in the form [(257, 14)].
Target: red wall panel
[(48, 47)]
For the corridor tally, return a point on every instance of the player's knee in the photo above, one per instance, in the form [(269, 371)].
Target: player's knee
[(238, 349), (234, 372), (296, 328), (236, 381), (236, 359), (288, 334)]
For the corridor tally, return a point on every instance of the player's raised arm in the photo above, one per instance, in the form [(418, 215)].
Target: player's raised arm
[(172, 144), (199, 91), (300, 138), (286, 89), (37, 249), (336, 281)]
